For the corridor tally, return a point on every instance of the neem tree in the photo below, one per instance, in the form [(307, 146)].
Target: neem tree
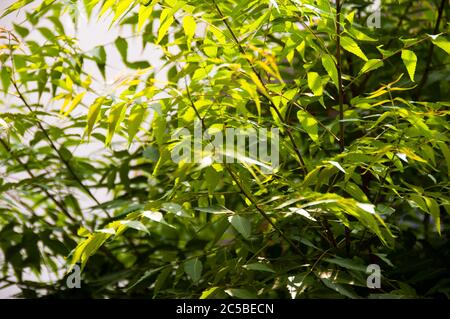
[(364, 157)]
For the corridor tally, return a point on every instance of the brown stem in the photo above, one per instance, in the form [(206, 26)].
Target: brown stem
[(339, 69), (341, 101)]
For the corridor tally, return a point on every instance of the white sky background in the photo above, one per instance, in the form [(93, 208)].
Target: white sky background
[(89, 34)]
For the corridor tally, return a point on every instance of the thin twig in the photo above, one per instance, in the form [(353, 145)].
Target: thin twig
[(272, 105), (46, 192), (262, 212), (341, 101), (424, 78)]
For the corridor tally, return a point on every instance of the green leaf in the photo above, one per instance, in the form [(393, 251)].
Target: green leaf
[(122, 6), (442, 43), (210, 292), (434, 212), (371, 65), (339, 288), (144, 13), (93, 115), (6, 81), (330, 67), (189, 26), (135, 120), (241, 224), (315, 83), (346, 263), (15, 6), (135, 225), (351, 46), (338, 166), (410, 60), (166, 20), (75, 102), (122, 47), (259, 267), (241, 293), (175, 209), (355, 192), (114, 119), (309, 124), (193, 268), (99, 56), (161, 280)]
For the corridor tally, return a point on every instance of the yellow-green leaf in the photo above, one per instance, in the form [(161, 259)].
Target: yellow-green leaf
[(75, 103), (371, 65), (165, 20), (115, 117), (122, 6), (144, 13), (442, 43), (410, 60), (315, 83), (309, 124), (134, 121), (189, 26), (351, 46), (93, 115), (330, 67)]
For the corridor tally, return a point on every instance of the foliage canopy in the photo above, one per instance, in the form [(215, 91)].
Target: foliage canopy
[(364, 156)]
